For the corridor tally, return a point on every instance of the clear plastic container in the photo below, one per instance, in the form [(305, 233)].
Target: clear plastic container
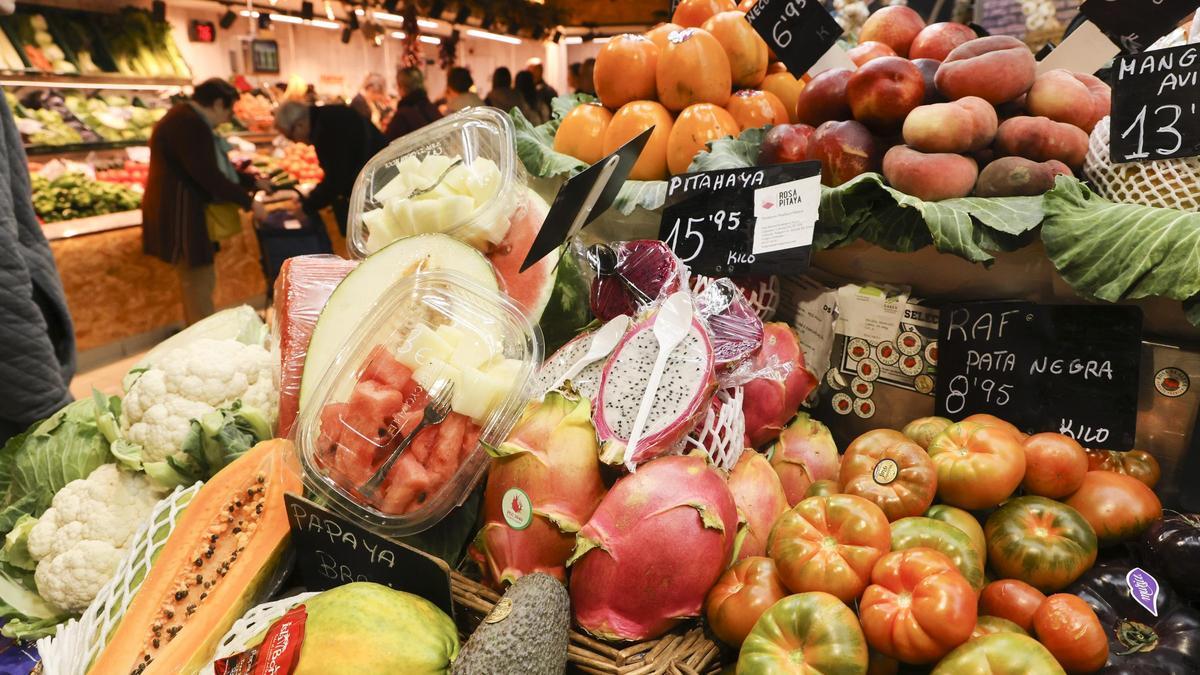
[(430, 331), (484, 182)]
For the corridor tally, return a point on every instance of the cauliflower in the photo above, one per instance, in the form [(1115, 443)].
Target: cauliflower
[(190, 382), (80, 540)]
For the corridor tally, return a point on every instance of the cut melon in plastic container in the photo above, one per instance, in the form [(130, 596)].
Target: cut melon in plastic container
[(355, 298), (430, 331)]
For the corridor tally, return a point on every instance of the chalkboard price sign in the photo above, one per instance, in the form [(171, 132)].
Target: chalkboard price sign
[(757, 220), (798, 31), (332, 551), (1063, 368), (1155, 113), (1136, 24)]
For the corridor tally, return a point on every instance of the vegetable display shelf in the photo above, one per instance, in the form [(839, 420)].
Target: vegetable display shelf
[(30, 78), (93, 225), (45, 150)]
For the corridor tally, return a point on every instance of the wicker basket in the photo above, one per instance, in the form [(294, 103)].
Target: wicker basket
[(683, 651)]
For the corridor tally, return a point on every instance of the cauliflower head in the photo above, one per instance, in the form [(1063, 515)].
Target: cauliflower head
[(189, 382), (79, 541)]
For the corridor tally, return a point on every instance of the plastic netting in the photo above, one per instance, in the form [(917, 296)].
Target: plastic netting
[(75, 645), (722, 433), (1167, 183), (252, 624)]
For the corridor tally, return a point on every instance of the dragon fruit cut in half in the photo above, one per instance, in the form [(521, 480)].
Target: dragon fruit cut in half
[(683, 396), (586, 383)]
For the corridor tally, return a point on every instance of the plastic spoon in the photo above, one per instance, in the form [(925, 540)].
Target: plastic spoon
[(604, 340), (670, 327)]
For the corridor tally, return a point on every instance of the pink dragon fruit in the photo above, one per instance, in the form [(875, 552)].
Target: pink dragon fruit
[(722, 432), (769, 400), (681, 400), (802, 455), (760, 501), (735, 328), (550, 458), (761, 292), (654, 547), (647, 265)]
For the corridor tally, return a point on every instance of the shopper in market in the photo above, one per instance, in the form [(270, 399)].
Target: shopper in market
[(414, 109), (460, 90), (502, 95), (545, 93), (189, 172), (37, 339), (372, 100), (535, 109), (343, 140)]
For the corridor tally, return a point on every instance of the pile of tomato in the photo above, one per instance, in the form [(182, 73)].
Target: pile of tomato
[(970, 547), (130, 173)]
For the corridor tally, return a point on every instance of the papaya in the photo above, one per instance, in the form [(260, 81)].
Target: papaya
[(211, 569)]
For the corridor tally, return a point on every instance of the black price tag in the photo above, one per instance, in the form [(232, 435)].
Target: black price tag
[(332, 551), (1136, 24), (799, 31), (1154, 111), (757, 220), (1071, 369), (584, 197)]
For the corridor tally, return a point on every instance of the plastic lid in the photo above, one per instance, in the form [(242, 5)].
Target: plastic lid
[(470, 161), (430, 331)]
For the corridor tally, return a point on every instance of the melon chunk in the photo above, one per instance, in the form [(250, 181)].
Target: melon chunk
[(423, 347)]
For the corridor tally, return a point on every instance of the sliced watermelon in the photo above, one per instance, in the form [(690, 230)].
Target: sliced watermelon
[(383, 368), (408, 487)]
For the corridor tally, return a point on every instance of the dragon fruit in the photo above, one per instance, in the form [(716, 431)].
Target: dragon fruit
[(760, 501), (654, 547), (586, 383), (802, 455), (761, 292), (722, 433), (733, 324), (773, 398), (551, 458), (647, 265), (681, 400)]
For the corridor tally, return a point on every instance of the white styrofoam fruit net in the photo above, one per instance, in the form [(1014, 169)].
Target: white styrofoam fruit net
[(1164, 183), (71, 650), (252, 624)]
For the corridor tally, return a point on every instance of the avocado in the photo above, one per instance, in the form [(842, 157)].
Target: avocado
[(526, 633)]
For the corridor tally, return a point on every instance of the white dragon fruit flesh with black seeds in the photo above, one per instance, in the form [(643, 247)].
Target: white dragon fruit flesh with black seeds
[(585, 384), (682, 398)]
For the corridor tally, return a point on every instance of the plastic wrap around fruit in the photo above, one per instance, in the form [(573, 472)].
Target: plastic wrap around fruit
[(458, 176), (433, 332)]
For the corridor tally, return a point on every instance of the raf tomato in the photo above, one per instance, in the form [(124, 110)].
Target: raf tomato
[(993, 421), (924, 429), (887, 468), (1054, 465), (986, 625), (1011, 599), (1118, 507), (822, 488), (977, 466), (965, 522), (918, 606), (1068, 627), (740, 597), (1044, 543), (1000, 654), (918, 531), (829, 544), (1137, 463), (807, 633)]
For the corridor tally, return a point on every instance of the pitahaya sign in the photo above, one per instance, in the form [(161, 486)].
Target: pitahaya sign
[(1144, 589), (517, 509)]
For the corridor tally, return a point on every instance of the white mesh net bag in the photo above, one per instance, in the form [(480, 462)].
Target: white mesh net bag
[(1165, 183), (722, 432), (250, 626), (72, 648)]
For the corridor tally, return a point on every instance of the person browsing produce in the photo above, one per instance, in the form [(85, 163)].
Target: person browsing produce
[(414, 109), (343, 140)]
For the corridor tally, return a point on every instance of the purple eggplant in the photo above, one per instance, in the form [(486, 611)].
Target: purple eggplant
[(1171, 548), (1141, 642)]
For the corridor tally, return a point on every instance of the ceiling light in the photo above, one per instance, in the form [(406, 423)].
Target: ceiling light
[(426, 23), (284, 18), (329, 10), (430, 40), (572, 40), (485, 35), (385, 16), (601, 40)]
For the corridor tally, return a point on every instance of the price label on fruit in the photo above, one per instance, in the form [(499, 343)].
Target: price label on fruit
[(1155, 111), (1136, 24), (798, 31), (332, 550), (1063, 368), (757, 220)]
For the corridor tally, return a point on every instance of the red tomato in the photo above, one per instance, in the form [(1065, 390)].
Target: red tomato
[(887, 468), (1136, 463), (918, 606), (741, 595), (830, 544), (1117, 507), (986, 625), (977, 466), (1054, 465), (1068, 627), (1011, 599), (993, 421)]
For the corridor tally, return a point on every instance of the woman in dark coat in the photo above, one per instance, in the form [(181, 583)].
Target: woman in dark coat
[(186, 175)]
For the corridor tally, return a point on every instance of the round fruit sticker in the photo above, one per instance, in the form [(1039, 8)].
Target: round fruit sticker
[(858, 349), (861, 388), (923, 384), (886, 471), (835, 380), (500, 612), (1172, 382), (842, 404), (868, 370), (931, 353), (864, 407), (911, 365), (887, 353), (517, 510), (909, 343)]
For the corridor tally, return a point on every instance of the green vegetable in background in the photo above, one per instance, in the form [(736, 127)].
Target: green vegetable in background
[(73, 195)]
